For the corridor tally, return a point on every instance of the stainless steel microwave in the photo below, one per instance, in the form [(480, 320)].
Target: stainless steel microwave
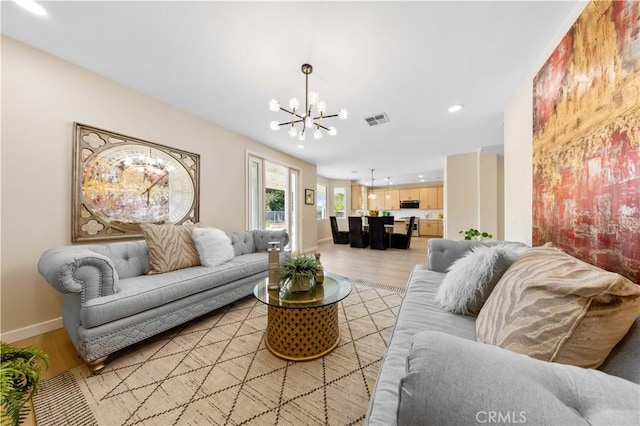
[(410, 204)]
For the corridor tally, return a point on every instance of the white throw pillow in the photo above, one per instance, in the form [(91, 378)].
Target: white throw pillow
[(471, 279), (213, 245)]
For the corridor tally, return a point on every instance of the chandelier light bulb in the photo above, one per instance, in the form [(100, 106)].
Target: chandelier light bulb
[(322, 107), (342, 114), (293, 103), (301, 135), (274, 105), (308, 122), (293, 132), (317, 134), (313, 98), (332, 131), (275, 126)]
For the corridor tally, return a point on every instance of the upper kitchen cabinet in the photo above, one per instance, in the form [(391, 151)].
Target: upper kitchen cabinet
[(409, 194), (431, 198), (392, 199), (356, 197), (378, 202)]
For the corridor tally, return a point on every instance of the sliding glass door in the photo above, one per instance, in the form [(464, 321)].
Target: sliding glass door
[(273, 197)]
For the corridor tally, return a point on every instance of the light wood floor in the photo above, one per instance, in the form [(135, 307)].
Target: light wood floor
[(389, 267)]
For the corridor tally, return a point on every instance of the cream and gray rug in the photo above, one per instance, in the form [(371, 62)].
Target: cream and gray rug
[(216, 370)]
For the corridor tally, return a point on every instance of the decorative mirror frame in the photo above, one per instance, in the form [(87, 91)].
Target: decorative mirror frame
[(127, 171)]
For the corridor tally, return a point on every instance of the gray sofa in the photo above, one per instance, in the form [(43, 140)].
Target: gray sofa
[(434, 371), (109, 301)]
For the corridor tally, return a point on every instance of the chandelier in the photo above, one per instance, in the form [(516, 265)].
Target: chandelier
[(308, 120)]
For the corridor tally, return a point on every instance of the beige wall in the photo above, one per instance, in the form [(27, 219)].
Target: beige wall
[(472, 194), (41, 98), (460, 194), (518, 151)]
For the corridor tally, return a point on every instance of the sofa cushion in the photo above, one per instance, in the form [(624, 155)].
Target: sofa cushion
[(138, 294), (554, 307), (480, 382), (213, 245), (471, 279), (171, 247)]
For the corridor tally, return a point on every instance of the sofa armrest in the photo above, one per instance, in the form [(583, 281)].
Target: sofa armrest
[(451, 380), (261, 238), (78, 270)]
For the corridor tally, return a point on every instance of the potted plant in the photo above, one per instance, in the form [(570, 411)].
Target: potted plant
[(19, 377), (474, 234), (300, 272)]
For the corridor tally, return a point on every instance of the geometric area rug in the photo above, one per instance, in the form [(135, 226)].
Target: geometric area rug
[(216, 370)]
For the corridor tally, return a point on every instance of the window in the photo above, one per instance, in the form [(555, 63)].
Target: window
[(321, 201), (339, 195)]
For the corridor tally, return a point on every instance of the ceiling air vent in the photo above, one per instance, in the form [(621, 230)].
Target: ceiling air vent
[(377, 119)]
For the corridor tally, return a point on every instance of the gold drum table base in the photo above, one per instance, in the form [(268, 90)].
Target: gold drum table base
[(302, 334)]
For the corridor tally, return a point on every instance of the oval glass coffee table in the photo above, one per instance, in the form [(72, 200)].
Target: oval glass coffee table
[(304, 325)]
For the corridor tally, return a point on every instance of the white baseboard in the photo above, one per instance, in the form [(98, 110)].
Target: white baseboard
[(325, 239), (32, 330), (311, 249)]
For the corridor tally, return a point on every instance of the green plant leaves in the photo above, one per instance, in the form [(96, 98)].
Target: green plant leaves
[(19, 379)]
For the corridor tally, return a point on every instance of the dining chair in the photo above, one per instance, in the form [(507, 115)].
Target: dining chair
[(403, 241), (339, 237), (357, 237), (377, 234)]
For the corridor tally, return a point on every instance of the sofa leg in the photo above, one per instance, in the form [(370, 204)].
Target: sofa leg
[(97, 365)]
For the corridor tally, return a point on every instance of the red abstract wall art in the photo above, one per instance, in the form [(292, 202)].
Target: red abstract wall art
[(586, 140)]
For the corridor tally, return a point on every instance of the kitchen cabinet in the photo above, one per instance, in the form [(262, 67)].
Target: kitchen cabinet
[(356, 197), (378, 202), (431, 198), (431, 228), (409, 194), (392, 202)]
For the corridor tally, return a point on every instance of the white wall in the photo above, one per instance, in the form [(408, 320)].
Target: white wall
[(518, 150), (41, 98)]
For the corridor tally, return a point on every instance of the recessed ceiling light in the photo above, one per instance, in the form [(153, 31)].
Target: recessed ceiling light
[(420, 176), (455, 108), (300, 146), (421, 180), (31, 6)]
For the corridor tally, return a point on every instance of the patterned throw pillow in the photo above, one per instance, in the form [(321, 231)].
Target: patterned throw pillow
[(171, 247), (552, 306)]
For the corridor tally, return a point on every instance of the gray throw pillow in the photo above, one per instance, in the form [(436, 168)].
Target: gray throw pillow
[(455, 381), (471, 279)]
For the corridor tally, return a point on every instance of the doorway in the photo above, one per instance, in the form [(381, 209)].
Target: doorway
[(273, 197)]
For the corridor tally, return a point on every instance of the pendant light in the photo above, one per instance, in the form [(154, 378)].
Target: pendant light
[(372, 196)]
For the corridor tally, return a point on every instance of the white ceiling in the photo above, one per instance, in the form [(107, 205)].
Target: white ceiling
[(224, 61)]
